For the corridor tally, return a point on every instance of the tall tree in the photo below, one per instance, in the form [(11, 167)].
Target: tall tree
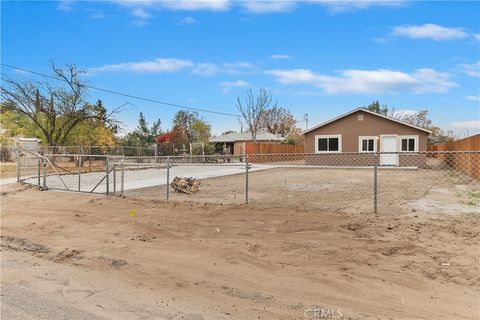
[(14, 123), (143, 135), (54, 109), (420, 119), (200, 131), (194, 127), (376, 107), (279, 121), (254, 110), (295, 136)]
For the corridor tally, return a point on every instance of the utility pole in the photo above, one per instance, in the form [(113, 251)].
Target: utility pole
[(305, 117)]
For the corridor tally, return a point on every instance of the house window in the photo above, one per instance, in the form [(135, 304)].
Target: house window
[(367, 144), (409, 143), (328, 143)]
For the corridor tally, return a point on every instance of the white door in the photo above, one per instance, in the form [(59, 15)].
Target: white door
[(388, 144)]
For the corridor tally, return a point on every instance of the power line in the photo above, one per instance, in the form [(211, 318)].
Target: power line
[(125, 94)]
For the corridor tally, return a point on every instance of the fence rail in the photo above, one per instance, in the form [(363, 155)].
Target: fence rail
[(344, 182)]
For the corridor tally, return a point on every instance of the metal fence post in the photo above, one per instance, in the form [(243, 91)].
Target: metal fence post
[(107, 176), (38, 172), (375, 188), (79, 171), (115, 178), (122, 178), (247, 167), (44, 174), (168, 178)]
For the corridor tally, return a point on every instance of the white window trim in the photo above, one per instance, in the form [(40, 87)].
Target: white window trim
[(339, 136), (408, 137), (361, 138)]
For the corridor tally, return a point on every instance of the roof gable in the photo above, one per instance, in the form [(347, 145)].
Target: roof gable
[(367, 111)]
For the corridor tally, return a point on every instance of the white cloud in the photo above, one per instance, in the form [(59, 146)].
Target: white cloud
[(473, 98), (210, 69), (152, 66), (177, 5), (476, 36), (468, 127), (187, 20), (472, 70), (186, 5), (260, 7), (142, 10), (368, 81), (280, 57), (140, 13), (96, 14), (429, 31), (255, 6), (206, 69), (163, 65), (66, 5), (350, 5), (226, 86)]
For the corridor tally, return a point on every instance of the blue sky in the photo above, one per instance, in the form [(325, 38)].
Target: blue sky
[(319, 57)]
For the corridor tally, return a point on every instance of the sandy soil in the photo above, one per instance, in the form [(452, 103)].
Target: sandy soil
[(8, 169), (342, 190), (81, 256)]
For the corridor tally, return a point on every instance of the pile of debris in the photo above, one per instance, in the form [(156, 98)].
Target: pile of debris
[(185, 185)]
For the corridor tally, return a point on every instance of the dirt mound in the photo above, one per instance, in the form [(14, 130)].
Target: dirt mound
[(19, 244)]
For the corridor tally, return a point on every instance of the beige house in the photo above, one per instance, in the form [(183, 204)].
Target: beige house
[(364, 133)]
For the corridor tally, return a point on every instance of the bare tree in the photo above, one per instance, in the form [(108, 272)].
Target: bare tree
[(279, 121), (55, 110), (254, 110)]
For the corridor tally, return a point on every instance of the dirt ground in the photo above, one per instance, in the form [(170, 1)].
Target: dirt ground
[(337, 189), (81, 256), (8, 169)]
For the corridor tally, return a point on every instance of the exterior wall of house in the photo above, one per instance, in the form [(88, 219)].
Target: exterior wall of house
[(351, 128), (362, 160)]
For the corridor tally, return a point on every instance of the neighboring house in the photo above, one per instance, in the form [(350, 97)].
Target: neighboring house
[(365, 132), (234, 143)]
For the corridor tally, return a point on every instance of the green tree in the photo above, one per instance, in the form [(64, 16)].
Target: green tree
[(143, 135), (194, 127), (54, 109), (92, 132), (14, 123), (376, 107), (295, 136)]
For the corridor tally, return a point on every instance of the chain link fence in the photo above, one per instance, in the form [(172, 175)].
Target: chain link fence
[(349, 182), (98, 150)]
